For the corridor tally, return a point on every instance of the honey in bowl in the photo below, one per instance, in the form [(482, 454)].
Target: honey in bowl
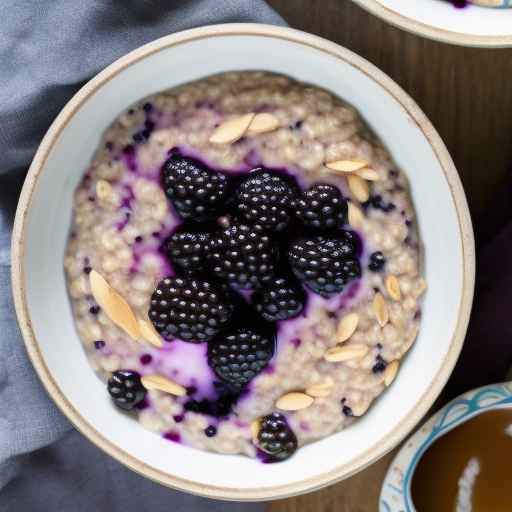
[(465, 470)]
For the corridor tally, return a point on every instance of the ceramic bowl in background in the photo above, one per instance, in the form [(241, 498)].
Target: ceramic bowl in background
[(472, 25), (396, 490), (43, 221)]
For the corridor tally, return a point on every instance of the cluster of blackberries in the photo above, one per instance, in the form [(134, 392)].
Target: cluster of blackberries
[(255, 232)]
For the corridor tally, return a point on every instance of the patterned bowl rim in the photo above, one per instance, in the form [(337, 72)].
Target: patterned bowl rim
[(396, 489), (430, 32), (424, 402)]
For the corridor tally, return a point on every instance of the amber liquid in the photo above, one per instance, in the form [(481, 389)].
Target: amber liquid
[(484, 441)]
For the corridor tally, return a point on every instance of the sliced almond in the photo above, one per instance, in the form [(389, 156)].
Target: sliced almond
[(358, 187), (355, 215), (164, 384), (294, 401), (347, 327), (360, 409), (393, 287), (148, 333), (231, 130), (345, 353), (319, 390), (263, 123), (114, 306), (346, 165), (390, 372), (380, 309), (368, 174), (103, 190), (255, 428)]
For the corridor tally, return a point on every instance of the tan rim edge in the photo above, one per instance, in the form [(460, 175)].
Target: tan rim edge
[(466, 232), (430, 32)]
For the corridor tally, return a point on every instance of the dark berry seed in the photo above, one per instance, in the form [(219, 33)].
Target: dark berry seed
[(178, 418), (94, 310), (147, 107), (99, 344), (380, 364), (87, 270), (347, 411), (210, 431), (377, 261), (191, 390), (126, 389), (189, 309), (145, 359), (138, 239), (378, 203)]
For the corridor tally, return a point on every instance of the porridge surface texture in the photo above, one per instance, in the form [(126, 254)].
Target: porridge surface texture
[(121, 217)]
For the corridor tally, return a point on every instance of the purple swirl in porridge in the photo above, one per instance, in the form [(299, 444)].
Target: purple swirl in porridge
[(244, 264)]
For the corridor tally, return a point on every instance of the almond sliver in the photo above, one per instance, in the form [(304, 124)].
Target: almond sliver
[(368, 174), (346, 327), (161, 383), (380, 309), (148, 333), (319, 390), (294, 401), (358, 187), (346, 165), (114, 306), (231, 130), (355, 215), (263, 123)]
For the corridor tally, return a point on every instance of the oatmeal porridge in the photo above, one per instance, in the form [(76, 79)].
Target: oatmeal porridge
[(243, 265)]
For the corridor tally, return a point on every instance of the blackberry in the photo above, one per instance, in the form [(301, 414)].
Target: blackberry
[(276, 437), (126, 389), (240, 354), (325, 264), (189, 309), (377, 261), (242, 255), (322, 207), (196, 192), (279, 300), (186, 250), (266, 199)]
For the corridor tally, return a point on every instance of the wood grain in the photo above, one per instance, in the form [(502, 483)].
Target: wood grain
[(467, 95), (465, 92)]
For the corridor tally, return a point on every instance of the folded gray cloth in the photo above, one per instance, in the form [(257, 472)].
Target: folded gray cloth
[(48, 49)]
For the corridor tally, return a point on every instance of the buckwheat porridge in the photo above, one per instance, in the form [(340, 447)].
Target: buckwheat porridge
[(244, 265)]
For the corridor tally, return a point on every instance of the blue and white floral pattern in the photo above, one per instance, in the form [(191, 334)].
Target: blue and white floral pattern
[(396, 489)]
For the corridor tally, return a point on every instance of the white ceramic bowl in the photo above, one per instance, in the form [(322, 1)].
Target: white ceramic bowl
[(440, 20), (396, 489), (43, 220)]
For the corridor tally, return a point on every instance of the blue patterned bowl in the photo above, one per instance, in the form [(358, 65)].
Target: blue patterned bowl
[(396, 490)]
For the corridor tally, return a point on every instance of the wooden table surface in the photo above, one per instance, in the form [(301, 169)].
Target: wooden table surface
[(467, 94)]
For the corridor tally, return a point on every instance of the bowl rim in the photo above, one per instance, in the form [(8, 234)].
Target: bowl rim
[(424, 402), (430, 32)]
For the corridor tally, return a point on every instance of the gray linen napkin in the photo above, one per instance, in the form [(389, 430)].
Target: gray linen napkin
[(48, 49)]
